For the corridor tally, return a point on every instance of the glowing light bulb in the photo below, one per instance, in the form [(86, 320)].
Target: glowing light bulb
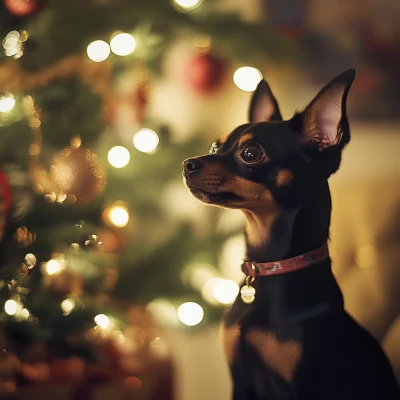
[(190, 313), (225, 291), (67, 306), (102, 320), (11, 307), (24, 313), (53, 267), (123, 44), (188, 5), (98, 51), (119, 156), (7, 103), (119, 216), (247, 78), (146, 141)]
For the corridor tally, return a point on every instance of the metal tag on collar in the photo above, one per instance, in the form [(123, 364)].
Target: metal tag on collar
[(248, 292)]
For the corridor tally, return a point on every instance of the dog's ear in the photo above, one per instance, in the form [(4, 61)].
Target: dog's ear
[(324, 122), (263, 106)]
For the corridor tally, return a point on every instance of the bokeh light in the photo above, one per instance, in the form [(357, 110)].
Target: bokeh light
[(53, 267), (187, 5), (11, 307), (247, 78), (7, 103), (146, 141), (190, 313), (98, 51), (123, 44), (119, 156), (118, 216), (102, 320), (163, 312), (67, 306)]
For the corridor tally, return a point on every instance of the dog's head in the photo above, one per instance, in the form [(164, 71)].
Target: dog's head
[(269, 161)]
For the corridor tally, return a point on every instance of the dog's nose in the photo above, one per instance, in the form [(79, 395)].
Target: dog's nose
[(191, 165)]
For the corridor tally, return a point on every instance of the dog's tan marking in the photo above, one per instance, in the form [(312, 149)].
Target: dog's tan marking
[(230, 338), (259, 226), (282, 357), (222, 139), (284, 177), (245, 138)]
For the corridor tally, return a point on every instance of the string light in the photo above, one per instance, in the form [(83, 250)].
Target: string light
[(118, 216), (190, 313), (55, 265), (98, 51), (247, 78), (146, 141), (123, 44), (7, 103), (225, 291), (102, 321), (24, 314), (13, 44), (67, 306), (187, 5), (11, 307), (119, 156)]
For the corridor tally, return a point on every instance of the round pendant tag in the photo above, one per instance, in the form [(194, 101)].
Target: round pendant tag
[(248, 294)]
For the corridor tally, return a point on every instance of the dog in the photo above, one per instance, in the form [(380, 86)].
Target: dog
[(287, 335)]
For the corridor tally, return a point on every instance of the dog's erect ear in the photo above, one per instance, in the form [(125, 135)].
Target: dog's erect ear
[(324, 121), (263, 106)]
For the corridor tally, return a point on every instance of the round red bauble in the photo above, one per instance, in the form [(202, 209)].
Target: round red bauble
[(205, 73), (23, 8)]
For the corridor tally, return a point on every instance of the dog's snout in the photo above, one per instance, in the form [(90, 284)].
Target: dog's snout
[(191, 165)]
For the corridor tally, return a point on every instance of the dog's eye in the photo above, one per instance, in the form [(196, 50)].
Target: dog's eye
[(213, 148), (252, 154)]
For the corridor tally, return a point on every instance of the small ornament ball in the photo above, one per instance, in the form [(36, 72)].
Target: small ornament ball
[(24, 8), (205, 73)]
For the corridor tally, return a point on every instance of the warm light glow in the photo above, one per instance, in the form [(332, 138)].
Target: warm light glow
[(247, 78), (119, 156), (188, 5), (98, 51), (11, 307), (7, 103), (53, 267), (146, 141), (102, 320), (123, 44), (190, 313), (67, 306), (119, 216), (163, 312), (225, 291), (24, 313)]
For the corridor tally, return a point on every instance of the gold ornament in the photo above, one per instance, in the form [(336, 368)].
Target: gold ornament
[(76, 171)]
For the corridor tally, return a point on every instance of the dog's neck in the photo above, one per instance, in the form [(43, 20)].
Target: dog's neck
[(276, 234)]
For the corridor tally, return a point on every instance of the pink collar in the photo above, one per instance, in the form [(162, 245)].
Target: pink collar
[(251, 268)]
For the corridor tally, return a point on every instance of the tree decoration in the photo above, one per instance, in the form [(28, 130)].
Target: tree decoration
[(24, 8), (77, 172), (205, 73)]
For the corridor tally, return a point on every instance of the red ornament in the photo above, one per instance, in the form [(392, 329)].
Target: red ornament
[(23, 8), (205, 73)]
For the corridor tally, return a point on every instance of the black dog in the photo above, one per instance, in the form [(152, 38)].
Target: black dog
[(287, 336)]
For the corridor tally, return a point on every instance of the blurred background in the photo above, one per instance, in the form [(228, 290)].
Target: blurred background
[(112, 277)]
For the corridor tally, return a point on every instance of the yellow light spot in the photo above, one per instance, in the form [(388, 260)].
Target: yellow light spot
[(119, 216), (102, 320), (146, 141), (7, 103), (98, 51), (187, 5), (119, 156), (247, 78), (24, 313), (190, 313), (123, 44), (67, 306), (53, 267), (11, 307), (225, 291)]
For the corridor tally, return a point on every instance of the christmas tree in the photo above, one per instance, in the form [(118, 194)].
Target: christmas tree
[(95, 214)]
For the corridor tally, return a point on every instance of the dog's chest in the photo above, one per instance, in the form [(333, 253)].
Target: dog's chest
[(243, 342)]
